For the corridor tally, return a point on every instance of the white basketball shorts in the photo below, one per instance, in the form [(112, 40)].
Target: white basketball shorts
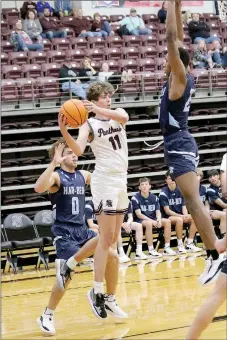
[(109, 193)]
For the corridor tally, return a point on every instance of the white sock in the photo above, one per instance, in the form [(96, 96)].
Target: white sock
[(98, 287), (179, 242), (48, 311), (121, 251), (167, 245), (189, 240), (150, 248), (71, 263), (139, 248)]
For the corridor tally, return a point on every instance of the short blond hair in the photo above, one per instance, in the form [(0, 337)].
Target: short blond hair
[(55, 145), (97, 89)]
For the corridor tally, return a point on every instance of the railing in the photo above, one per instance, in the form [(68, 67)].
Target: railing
[(142, 88)]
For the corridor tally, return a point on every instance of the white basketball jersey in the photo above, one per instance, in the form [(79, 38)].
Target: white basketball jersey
[(109, 145)]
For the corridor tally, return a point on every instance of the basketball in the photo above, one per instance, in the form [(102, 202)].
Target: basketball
[(75, 112)]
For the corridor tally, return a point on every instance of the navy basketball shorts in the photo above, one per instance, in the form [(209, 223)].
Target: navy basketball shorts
[(181, 153), (68, 240), (224, 268)]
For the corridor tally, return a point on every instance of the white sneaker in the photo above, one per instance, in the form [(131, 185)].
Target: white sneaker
[(124, 258), (168, 251), (112, 307), (154, 253), (214, 270), (46, 323), (181, 249), (206, 270), (141, 256), (191, 247)]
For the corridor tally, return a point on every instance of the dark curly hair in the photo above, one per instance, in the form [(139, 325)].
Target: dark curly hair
[(98, 89)]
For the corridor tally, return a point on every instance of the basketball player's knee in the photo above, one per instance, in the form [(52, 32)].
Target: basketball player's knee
[(166, 223), (113, 257), (193, 204), (108, 241)]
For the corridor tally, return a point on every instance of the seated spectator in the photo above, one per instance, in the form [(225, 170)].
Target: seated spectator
[(202, 58), (219, 54), (21, 40), (214, 214), (214, 193), (162, 13), (134, 24), (51, 29), (26, 6), (90, 217), (173, 208), (62, 7), (81, 25), (32, 27), (114, 78), (200, 30), (147, 212), (40, 7), (101, 26)]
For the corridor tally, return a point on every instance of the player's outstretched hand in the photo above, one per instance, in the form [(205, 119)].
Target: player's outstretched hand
[(58, 159), (221, 245), (62, 122), (89, 106)]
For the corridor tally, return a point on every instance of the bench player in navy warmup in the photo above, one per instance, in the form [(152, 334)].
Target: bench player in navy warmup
[(73, 240), (181, 152), (147, 211)]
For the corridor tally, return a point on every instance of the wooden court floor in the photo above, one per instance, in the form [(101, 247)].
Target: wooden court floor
[(161, 299)]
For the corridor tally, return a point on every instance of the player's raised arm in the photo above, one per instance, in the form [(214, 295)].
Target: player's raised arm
[(78, 146), (180, 30)]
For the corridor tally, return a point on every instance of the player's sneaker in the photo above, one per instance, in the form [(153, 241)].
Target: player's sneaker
[(112, 307), (140, 256), (169, 252), (154, 253), (214, 270), (63, 273), (46, 323), (190, 247), (206, 270), (97, 302), (181, 249), (124, 258)]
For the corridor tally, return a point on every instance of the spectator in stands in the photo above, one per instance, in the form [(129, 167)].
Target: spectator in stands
[(162, 13), (147, 211), (101, 26), (21, 40), (63, 7), (199, 30), (51, 29), (40, 7), (202, 58), (223, 176), (32, 27), (135, 24), (214, 193), (219, 54), (26, 6), (82, 26), (216, 215), (173, 207), (87, 73), (114, 78), (90, 217), (75, 85)]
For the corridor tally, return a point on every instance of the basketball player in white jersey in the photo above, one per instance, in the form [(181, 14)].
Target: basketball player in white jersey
[(107, 137)]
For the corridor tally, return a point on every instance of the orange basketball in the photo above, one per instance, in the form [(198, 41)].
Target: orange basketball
[(75, 112)]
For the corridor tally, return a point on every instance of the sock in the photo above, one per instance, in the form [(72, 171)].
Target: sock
[(179, 242), (190, 240), (110, 297), (167, 245), (214, 254), (150, 248), (139, 248), (48, 311), (121, 251), (98, 287), (71, 263), (208, 253)]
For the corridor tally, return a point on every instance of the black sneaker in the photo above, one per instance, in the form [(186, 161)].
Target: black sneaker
[(97, 302), (63, 273)]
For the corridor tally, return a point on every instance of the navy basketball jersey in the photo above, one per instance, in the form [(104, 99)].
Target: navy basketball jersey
[(213, 193), (147, 205), (68, 202), (172, 199), (173, 115), (90, 212), (203, 193)]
